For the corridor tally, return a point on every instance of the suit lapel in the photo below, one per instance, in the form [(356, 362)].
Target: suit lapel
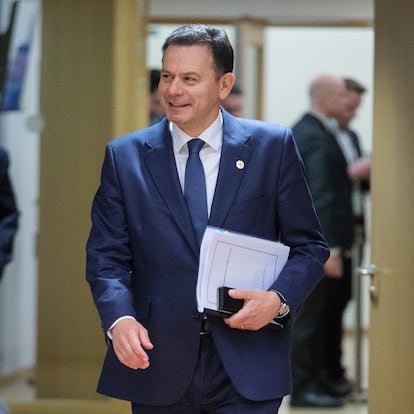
[(161, 164), (234, 161)]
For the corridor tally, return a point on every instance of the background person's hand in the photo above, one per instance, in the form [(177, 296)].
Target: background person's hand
[(333, 267), (360, 169)]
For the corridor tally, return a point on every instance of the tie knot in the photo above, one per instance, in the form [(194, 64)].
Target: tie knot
[(195, 145)]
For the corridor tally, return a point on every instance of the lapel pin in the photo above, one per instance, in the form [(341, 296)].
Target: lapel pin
[(239, 164)]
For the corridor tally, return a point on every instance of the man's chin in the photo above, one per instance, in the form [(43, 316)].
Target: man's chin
[(176, 118)]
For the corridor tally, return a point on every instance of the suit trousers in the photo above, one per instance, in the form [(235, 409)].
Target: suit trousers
[(211, 391)]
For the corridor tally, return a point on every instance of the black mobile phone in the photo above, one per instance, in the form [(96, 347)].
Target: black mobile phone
[(227, 303)]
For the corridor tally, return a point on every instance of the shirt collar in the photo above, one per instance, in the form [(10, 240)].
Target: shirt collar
[(212, 136)]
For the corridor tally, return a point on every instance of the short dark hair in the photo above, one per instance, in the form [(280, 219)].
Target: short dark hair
[(155, 75), (354, 85), (214, 37)]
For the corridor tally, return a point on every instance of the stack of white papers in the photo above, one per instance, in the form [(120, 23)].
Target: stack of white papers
[(238, 261)]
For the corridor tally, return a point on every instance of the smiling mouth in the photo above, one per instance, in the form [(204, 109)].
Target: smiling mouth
[(175, 105)]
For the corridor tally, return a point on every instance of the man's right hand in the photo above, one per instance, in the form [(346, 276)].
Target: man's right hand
[(130, 340)]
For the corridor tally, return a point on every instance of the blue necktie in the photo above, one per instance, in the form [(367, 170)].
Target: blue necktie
[(195, 188)]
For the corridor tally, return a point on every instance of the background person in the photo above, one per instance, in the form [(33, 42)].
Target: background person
[(8, 225), (358, 169), (156, 109), (8, 213), (234, 103), (359, 166), (143, 249), (331, 188)]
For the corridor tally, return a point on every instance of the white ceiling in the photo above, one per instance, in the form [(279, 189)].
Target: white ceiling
[(272, 11)]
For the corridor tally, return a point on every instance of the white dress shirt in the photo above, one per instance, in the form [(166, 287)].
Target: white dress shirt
[(209, 154)]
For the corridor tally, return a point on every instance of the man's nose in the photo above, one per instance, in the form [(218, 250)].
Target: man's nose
[(175, 87)]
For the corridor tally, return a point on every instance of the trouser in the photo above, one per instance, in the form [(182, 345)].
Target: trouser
[(211, 391), (339, 293), (308, 340)]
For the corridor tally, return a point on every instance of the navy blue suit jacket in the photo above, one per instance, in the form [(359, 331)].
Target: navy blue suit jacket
[(143, 257)]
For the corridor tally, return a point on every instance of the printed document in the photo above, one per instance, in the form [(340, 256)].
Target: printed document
[(238, 261)]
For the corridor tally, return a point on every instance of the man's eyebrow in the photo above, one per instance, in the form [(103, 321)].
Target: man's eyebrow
[(190, 74)]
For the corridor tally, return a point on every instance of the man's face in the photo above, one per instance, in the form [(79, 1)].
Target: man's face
[(188, 88), (353, 100), (336, 99)]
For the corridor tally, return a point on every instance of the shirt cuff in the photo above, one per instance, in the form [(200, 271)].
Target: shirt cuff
[(109, 333), (335, 251)]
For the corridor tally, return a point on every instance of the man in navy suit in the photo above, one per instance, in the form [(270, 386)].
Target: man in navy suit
[(143, 255)]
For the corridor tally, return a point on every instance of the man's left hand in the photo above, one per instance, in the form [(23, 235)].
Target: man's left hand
[(260, 307)]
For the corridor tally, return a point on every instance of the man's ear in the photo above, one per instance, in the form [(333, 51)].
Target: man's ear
[(226, 84)]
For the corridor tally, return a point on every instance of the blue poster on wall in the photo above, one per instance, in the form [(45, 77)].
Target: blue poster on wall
[(17, 41)]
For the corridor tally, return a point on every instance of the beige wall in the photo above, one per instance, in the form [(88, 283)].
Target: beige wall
[(93, 88)]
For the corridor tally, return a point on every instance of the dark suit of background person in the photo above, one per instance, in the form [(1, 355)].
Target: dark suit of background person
[(358, 169), (8, 213), (8, 225), (330, 185), (143, 257)]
